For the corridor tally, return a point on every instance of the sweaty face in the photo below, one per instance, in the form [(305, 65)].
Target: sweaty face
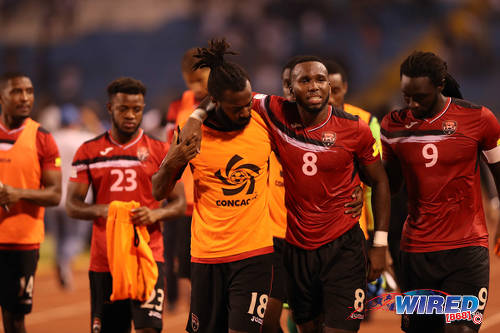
[(420, 94), (285, 84), (17, 97), (126, 113), (338, 89), (236, 106), (310, 86), (197, 82)]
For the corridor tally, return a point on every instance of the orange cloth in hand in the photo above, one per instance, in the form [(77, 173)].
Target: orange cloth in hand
[(497, 247), (130, 258)]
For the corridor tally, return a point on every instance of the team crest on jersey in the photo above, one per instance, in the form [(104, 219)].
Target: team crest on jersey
[(195, 323), (238, 176), (142, 153), (328, 138), (449, 127)]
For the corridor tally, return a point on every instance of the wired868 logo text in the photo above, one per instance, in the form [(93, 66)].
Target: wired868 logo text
[(428, 302)]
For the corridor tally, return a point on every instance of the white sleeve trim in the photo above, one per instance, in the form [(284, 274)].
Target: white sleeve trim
[(492, 155), (259, 96)]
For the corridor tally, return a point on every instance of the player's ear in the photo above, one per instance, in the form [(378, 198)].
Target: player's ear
[(291, 91), (108, 107)]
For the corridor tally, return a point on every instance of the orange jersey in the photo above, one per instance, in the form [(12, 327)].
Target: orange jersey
[(231, 214), (130, 259), (277, 208), (20, 167)]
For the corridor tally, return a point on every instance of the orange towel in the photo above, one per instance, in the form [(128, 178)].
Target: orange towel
[(130, 258)]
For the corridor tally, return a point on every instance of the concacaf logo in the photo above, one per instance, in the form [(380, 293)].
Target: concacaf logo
[(238, 177)]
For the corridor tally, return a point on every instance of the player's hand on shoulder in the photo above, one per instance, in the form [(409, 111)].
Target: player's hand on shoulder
[(9, 195), (355, 206), (180, 153), (191, 134), (377, 261), (207, 104), (144, 216)]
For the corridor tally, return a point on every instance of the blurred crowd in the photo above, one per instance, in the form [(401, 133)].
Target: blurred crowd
[(70, 64)]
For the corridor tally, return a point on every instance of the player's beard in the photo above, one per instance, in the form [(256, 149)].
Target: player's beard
[(19, 119), (314, 110), (126, 134), (15, 121), (227, 124)]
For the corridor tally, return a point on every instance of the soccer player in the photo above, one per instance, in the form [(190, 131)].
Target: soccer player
[(310, 138), (231, 239), (434, 145), (317, 146), (118, 165), (30, 179), (277, 204)]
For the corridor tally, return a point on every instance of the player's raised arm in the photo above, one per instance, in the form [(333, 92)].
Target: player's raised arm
[(191, 130), (185, 146), (173, 166)]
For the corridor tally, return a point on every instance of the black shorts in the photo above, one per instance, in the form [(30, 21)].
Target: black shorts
[(462, 271), (329, 281), (230, 295), (17, 279), (117, 316), (278, 289)]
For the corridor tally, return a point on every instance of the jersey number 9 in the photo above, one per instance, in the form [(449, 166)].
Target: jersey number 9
[(430, 152)]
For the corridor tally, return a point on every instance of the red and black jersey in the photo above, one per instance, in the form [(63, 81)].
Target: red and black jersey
[(439, 158), (119, 172), (48, 153), (319, 168)]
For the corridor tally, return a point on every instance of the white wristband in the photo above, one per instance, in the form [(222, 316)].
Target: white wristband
[(199, 114), (380, 238)]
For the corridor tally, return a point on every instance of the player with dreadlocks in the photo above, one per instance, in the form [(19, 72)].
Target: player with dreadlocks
[(231, 241), (317, 145), (434, 145)]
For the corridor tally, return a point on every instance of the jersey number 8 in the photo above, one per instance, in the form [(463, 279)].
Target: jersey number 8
[(309, 167)]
